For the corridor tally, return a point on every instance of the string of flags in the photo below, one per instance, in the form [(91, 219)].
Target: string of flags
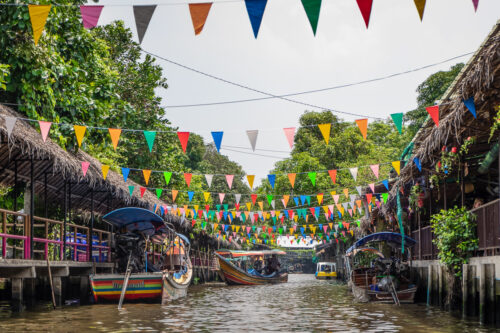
[(199, 13)]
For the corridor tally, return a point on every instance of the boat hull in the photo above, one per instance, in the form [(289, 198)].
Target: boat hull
[(326, 276), (363, 295), (141, 287), (235, 276)]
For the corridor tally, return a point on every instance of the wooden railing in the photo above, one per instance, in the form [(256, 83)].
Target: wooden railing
[(49, 241)]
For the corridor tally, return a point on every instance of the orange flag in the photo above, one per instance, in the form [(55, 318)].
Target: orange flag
[(363, 126), (187, 178), (325, 131), (38, 17), (174, 195), (346, 192), (146, 174), (291, 177), (115, 136), (199, 14)]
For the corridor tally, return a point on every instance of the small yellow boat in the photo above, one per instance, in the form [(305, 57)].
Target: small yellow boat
[(326, 271)]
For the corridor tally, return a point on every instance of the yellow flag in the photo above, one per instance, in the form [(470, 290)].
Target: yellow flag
[(196, 208), (261, 205), (105, 169), (320, 198), (333, 193), (237, 228), (325, 209), (325, 131), (147, 174), (79, 133), (346, 192), (397, 166), (249, 205), (38, 17), (295, 217), (115, 136), (206, 195), (250, 179), (420, 4)]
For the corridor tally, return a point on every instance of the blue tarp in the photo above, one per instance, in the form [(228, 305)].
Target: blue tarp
[(388, 237), (134, 219)]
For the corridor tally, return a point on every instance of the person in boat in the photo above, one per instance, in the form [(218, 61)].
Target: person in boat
[(273, 265), (258, 265)]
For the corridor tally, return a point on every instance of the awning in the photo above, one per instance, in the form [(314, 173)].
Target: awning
[(391, 238), (135, 219)]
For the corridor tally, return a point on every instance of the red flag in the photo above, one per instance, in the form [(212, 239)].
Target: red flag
[(193, 223), (143, 190), (254, 198), (433, 111), (183, 138), (187, 178), (365, 6), (333, 175)]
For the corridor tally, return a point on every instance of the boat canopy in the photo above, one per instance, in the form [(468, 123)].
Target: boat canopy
[(236, 253), (366, 249), (135, 219), (391, 238)]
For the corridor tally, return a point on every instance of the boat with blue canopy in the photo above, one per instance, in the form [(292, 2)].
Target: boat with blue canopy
[(136, 277)]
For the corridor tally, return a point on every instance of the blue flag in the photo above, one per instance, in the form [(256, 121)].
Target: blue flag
[(303, 199), (272, 180), (469, 103), (190, 195), (255, 9), (386, 183), (217, 136), (125, 172), (417, 163), (296, 199)]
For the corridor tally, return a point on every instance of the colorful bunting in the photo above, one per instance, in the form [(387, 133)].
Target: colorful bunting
[(354, 172), (272, 180), (217, 136), (255, 9), (90, 15), (325, 131), (183, 138), (229, 180), (291, 178), (187, 178), (114, 133), (44, 129), (142, 15), (386, 184), (365, 6), (150, 139), (174, 195), (158, 192), (434, 113), (125, 172), (199, 13), (416, 160), (167, 175), (375, 169), (333, 175), (363, 126), (146, 174), (475, 3), (397, 166), (85, 168), (131, 189), (104, 169), (221, 197), (206, 195), (420, 4), (209, 179), (143, 190), (38, 17), (312, 177), (469, 104), (397, 118), (10, 122), (252, 134), (290, 135), (79, 133), (312, 8), (250, 179)]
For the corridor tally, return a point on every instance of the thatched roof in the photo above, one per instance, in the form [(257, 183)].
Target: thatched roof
[(480, 78)]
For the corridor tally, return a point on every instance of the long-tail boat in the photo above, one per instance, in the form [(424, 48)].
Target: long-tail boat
[(387, 280), (166, 279), (249, 268)]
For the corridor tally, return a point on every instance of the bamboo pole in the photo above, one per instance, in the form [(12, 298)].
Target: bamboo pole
[(51, 284)]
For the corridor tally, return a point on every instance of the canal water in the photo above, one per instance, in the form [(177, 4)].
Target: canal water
[(304, 304)]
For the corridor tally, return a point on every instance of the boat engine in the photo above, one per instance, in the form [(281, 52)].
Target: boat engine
[(130, 245)]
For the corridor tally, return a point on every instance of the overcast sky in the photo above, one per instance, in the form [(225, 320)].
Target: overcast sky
[(287, 58)]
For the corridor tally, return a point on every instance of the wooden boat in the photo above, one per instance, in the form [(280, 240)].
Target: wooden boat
[(385, 281), (234, 275), (326, 271), (166, 280)]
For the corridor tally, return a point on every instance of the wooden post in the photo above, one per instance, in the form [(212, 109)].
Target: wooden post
[(32, 206), (462, 182), (51, 284), (15, 209), (91, 241), (45, 203), (482, 293), (473, 290), (465, 289), (444, 194), (63, 234)]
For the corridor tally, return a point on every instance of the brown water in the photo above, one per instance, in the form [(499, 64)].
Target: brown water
[(301, 305)]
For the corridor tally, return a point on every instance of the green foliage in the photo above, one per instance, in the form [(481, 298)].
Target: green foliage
[(4, 76), (429, 92), (456, 239), (496, 123)]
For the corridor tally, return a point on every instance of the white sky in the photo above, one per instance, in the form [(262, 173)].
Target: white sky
[(287, 58)]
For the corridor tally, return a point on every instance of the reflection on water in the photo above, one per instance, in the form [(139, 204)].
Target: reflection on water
[(302, 305)]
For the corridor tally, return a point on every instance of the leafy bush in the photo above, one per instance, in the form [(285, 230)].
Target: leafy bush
[(456, 239)]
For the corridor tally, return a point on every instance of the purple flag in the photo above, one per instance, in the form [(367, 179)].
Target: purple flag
[(90, 15)]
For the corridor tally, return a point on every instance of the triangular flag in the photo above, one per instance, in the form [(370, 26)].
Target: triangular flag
[(325, 131), (217, 136), (174, 195), (290, 135), (199, 13), (312, 177), (254, 198), (187, 178), (79, 133), (385, 196), (369, 197), (469, 103), (272, 180), (372, 187), (346, 192), (475, 3), (333, 175), (365, 6), (38, 17), (104, 169), (397, 118), (255, 9), (363, 126), (375, 169), (10, 122), (397, 166), (336, 199), (416, 160), (150, 139), (115, 133), (221, 197), (143, 190), (146, 174), (420, 4), (354, 172), (183, 138), (131, 189), (312, 8), (434, 113), (320, 198), (209, 179), (291, 178), (285, 200), (90, 15), (261, 205), (386, 184), (85, 168), (142, 15), (359, 189), (229, 180), (252, 134), (44, 129), (250, 179), (237, 198), (158, 192), (206, 195), (125, 172), (167, 175), (270, 199)]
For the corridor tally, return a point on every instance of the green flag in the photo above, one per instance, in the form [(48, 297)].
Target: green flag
[(131, 189), (385, 196), (397, 118), (167, 176), (312, 177), (158, 192), (312, 8), (269, 198), (150, 138)]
